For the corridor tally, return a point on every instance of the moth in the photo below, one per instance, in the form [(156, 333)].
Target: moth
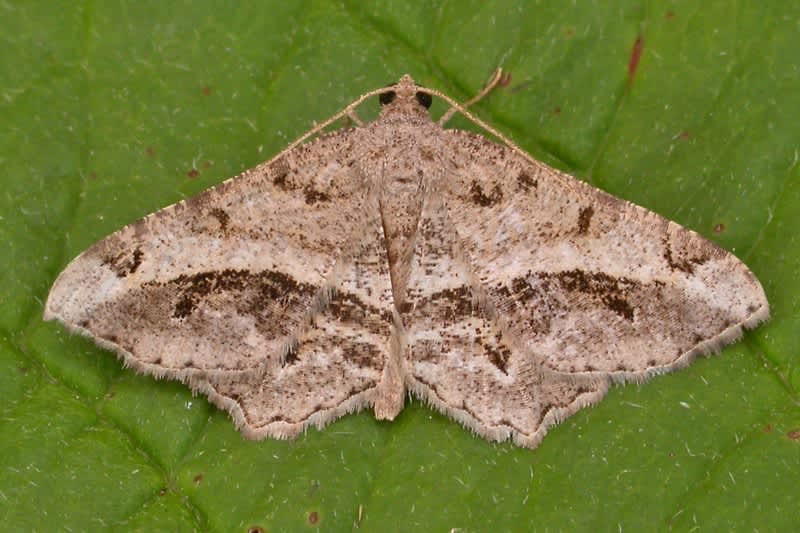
[(396, 257)]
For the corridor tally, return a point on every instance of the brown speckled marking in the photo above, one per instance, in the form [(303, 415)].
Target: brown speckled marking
[(677, 264), (451, 304), (685, 264), (312, 196), (280, 179), (525, 182), (483, 199), (498, 354), (267, 286), (401, 255), (607, 289), (584, 219), (124, 264), (222, 217)]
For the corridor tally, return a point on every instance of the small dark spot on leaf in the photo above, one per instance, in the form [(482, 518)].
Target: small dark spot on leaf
[(255, 529), (768, 428), (557, 110), (636, 55), (162, 492), (505, 79), (719, 228), (794, 434), (313, 518), (193, 173), (150, 151), (197, 479), (669, 15), (520, 86), (684, 135), (206, 91)]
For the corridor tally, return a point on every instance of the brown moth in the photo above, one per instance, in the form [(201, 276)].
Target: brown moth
[(398, 256)]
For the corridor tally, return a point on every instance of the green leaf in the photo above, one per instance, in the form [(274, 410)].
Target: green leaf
[(113, 110)]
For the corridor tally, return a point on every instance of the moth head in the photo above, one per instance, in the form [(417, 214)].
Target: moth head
[(405, 95)]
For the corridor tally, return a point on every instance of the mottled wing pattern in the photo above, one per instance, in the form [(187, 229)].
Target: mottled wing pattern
[(587, 282), (226, 282), (336, 365), (462, 358), (401, 255)]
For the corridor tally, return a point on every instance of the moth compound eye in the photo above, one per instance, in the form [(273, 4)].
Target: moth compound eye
[(387, 97), (424, 99)]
